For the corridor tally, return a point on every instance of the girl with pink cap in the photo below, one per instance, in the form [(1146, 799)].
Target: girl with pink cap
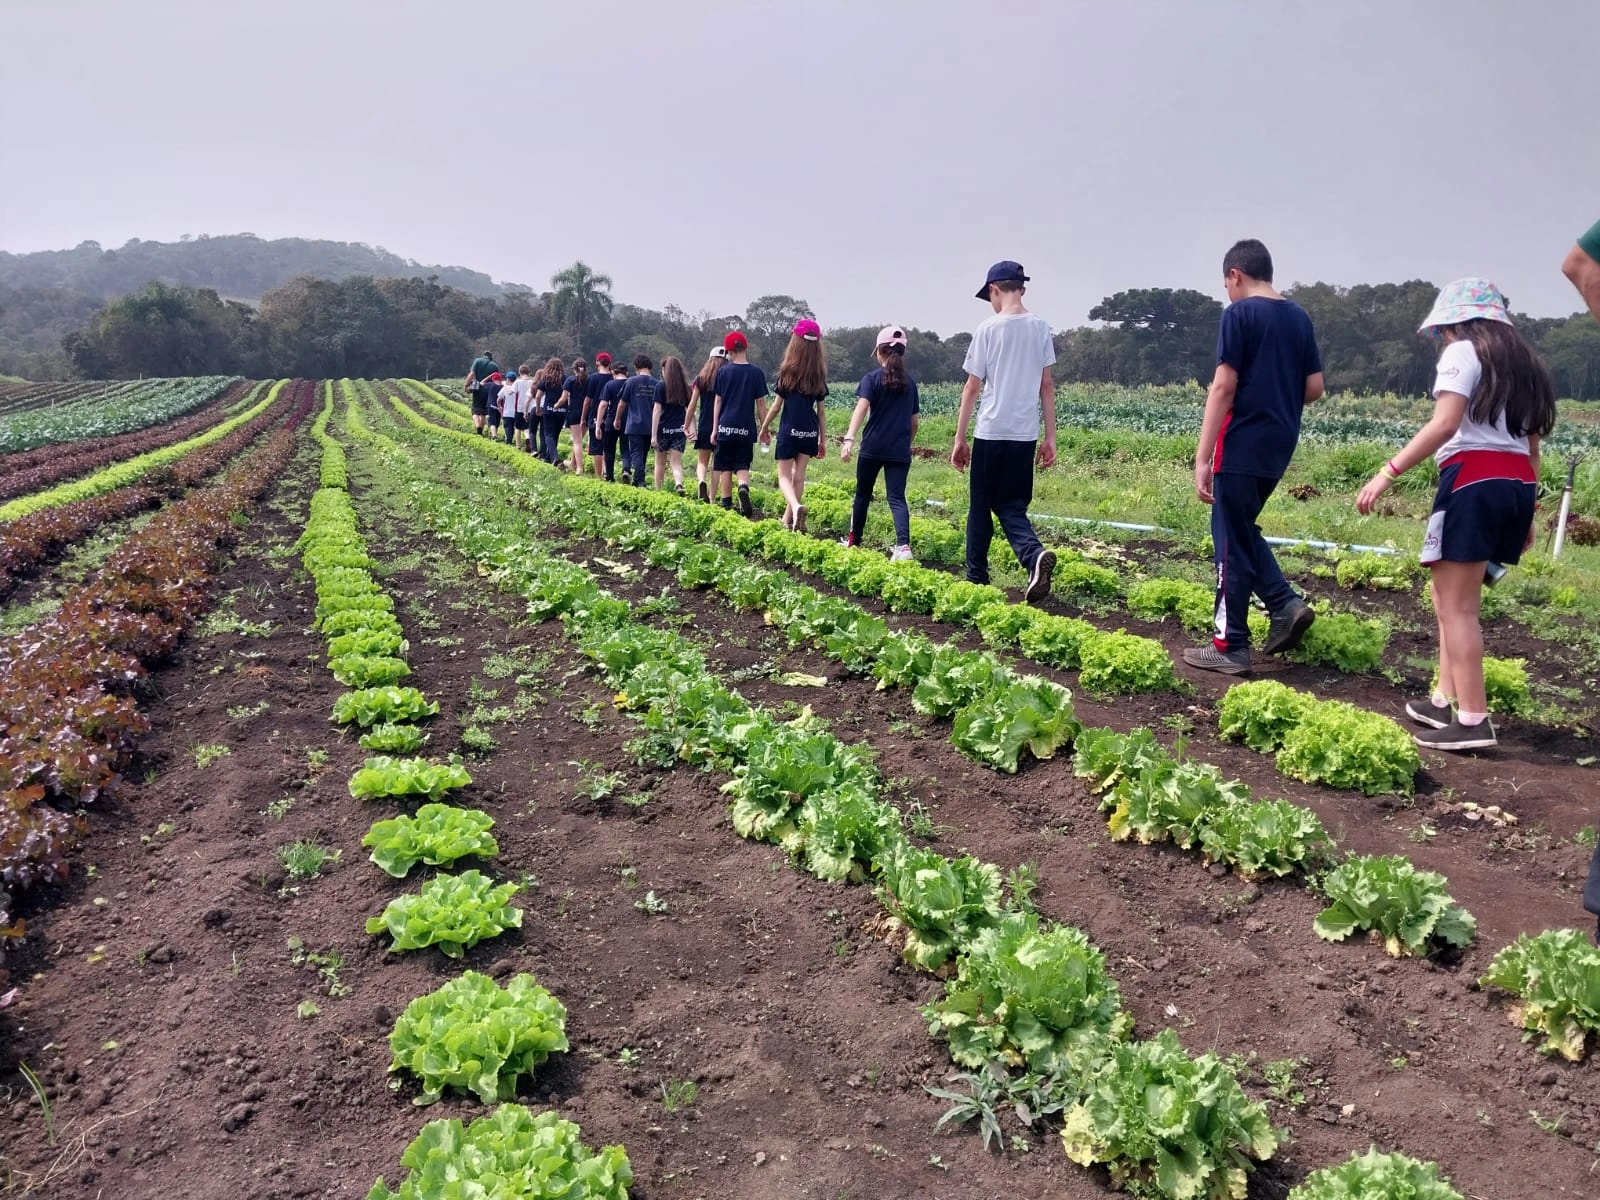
[(802, 429), (1493, 402), (887, 401)]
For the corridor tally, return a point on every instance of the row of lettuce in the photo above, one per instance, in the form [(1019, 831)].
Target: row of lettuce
[(1019, 988), (1337, 745), (106, 410), (470, 1034), (51, 521), (67, 682)]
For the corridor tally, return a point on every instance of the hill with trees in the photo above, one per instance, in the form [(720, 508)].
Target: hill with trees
[(258, 308)]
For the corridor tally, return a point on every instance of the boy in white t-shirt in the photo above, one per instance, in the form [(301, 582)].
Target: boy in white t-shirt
[(1008, 381)]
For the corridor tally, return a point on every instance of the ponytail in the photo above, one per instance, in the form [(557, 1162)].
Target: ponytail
[(894, 367)]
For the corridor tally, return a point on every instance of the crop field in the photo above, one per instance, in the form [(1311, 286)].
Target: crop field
[(381, 807)]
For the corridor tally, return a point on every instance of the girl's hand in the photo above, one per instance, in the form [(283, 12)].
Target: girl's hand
[(822, 448), (844, 449), (1368, 496)]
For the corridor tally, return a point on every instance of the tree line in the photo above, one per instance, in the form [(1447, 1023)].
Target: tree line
[(408, 326)]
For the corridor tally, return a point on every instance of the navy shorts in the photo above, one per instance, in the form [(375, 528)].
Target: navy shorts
[(733, 454), (494, 417), (1483, 509), (480, 406), (792, 444), (671, 439), (596, 446), (573, 415), (521, 419)]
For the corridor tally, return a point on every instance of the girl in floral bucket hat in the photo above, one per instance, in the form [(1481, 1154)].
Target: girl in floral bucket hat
[(1493, 401)]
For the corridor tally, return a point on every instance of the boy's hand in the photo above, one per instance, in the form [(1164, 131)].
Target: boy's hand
[(960, 455), (1368, 496), (1203, 479), (1047, 452), (822, 448)]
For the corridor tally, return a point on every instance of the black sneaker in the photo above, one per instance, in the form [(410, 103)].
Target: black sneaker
[(705, 493), (1456, 736), (1224, 662), (1426, 712), (1289, 625), (680, 489), (745, 507), (1039, 578)]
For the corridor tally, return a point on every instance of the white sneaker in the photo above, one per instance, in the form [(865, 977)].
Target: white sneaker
[(902, 554)]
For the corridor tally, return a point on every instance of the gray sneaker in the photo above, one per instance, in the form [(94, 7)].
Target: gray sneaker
[(1289, 625), (1039, 578), (1456, 736), (1209, 658), (1425, 712)]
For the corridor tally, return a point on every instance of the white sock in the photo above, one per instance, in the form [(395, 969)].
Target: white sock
[(1440, 699), (1470, 719)]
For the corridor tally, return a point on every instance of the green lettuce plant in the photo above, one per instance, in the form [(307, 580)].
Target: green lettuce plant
[(1387, 896), (509, 1153), (1555, 977), (453, 912), (473, 1035), (438, 835), (1376, 1176)]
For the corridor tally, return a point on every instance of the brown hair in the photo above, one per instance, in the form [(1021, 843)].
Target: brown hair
[(550, 375), (641, 362), (1514, 381), (675, 382), (580, 369), (894, 365), (804, 369), (706, 381)]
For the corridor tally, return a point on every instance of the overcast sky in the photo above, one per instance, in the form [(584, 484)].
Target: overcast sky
[(869, 157)]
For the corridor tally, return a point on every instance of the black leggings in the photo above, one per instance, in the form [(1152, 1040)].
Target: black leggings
[(894, 482)]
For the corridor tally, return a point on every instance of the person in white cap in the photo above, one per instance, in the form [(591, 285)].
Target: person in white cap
[(887, 400), (698, 418), (1493, 402), (1008, 369)]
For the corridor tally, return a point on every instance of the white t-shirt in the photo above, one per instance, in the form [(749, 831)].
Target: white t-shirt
[(1009, 352), (1459, 371), (519, 405)]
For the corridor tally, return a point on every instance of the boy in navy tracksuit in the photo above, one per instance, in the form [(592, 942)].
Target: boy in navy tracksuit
[(1268, 370)]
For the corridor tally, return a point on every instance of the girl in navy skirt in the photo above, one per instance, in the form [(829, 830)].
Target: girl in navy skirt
[(1493, 402), (669, 425), (573, 388), (701, 410), (801, 417)]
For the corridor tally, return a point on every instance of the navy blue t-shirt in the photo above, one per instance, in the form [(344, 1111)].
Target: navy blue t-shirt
[(672, 415), (738, 386), (888, 432), (574, 391), (640, 395), (593, 388), (610, 393), (799, 414), (1270, 343)]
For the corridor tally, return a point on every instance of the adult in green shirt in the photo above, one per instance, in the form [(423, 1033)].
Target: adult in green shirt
[(482, 367), (1583, 268)]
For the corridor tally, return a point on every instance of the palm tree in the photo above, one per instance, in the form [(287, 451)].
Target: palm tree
[(580, 299)]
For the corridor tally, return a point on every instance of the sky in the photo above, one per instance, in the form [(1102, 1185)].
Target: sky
[(871, 157)]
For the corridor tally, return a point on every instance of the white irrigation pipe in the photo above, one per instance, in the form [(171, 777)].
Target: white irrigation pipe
[(1566, 508), (1271, 541)]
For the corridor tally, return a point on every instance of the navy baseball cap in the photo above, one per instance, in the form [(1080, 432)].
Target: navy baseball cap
[(1002, 272)]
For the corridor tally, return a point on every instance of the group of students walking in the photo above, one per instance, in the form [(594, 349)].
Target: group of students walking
[(726, 410), (1494, 401)]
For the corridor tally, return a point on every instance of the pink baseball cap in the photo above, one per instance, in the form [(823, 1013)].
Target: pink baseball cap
[(891, 335), (808, 329)]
